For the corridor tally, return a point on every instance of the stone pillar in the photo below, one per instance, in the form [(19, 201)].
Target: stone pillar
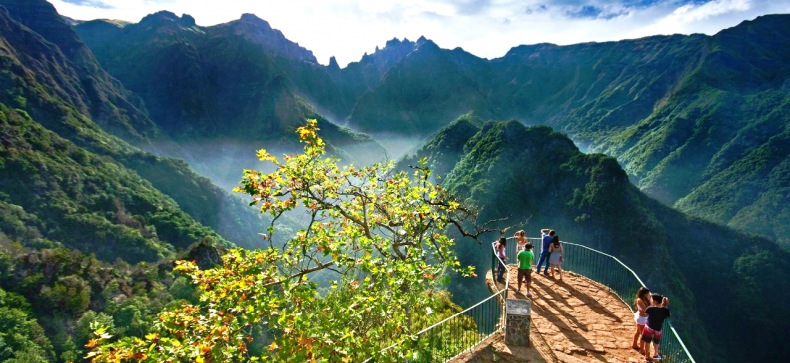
[(517, 322)]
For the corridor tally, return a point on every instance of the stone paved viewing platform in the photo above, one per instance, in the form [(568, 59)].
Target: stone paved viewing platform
[(574, 320)]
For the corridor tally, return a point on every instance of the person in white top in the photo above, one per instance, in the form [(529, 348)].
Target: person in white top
[(521, 240), (641, 303), (500, 252)]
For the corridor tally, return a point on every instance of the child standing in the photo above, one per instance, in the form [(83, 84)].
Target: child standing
[(656, 314)]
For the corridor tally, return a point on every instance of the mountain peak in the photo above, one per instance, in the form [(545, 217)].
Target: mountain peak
[(42, 18), (257, 30), (423, 39), (160, 15), (253, 19), (167, 17), (393, 52), (395, 43), (333, 63), (187, 20), (425, 43)]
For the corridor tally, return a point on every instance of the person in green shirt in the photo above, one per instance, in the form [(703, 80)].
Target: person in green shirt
[(525, 258)]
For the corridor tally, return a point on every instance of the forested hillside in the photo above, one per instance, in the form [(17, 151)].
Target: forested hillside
[(66, 68), (78, 205)]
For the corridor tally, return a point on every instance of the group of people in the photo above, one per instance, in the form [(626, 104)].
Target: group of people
[(651, 311), (551, 252)]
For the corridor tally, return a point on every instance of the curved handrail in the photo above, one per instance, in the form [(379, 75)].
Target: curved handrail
[(617, 278), (488, 319), (610, 256), (511, 251), (621, 279)]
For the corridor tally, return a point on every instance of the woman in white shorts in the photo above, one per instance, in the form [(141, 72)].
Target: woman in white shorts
[(641, 304)]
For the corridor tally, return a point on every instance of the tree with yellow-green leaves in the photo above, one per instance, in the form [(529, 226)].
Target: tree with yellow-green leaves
[(381, 232)]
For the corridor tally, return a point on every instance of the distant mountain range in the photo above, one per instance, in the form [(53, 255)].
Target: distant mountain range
[(698, 122), (95, 117)]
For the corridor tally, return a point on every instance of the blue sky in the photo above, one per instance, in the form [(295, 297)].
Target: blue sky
[(487, 28)]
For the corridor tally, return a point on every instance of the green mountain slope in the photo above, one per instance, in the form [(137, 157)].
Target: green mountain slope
[(674, 110), (537, 178), (31, 63), (240, 80), (234, 87), (424, 90), (86, 86), (84, 202), (77, 205)]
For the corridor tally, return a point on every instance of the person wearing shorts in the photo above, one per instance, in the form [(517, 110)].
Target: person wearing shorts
[(525, 258), (641, 303), (656, 314)]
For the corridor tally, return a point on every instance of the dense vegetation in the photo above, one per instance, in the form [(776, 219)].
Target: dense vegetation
[(78, 205), (64, 67), (49, 298), (381, 232), (55, 191), (46, 131)]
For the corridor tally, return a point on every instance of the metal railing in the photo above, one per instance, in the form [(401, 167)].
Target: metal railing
[(624, 282), (611, 272), (463, 331)]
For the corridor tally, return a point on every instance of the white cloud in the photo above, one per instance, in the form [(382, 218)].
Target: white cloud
[(486, 28), (691, 13)]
